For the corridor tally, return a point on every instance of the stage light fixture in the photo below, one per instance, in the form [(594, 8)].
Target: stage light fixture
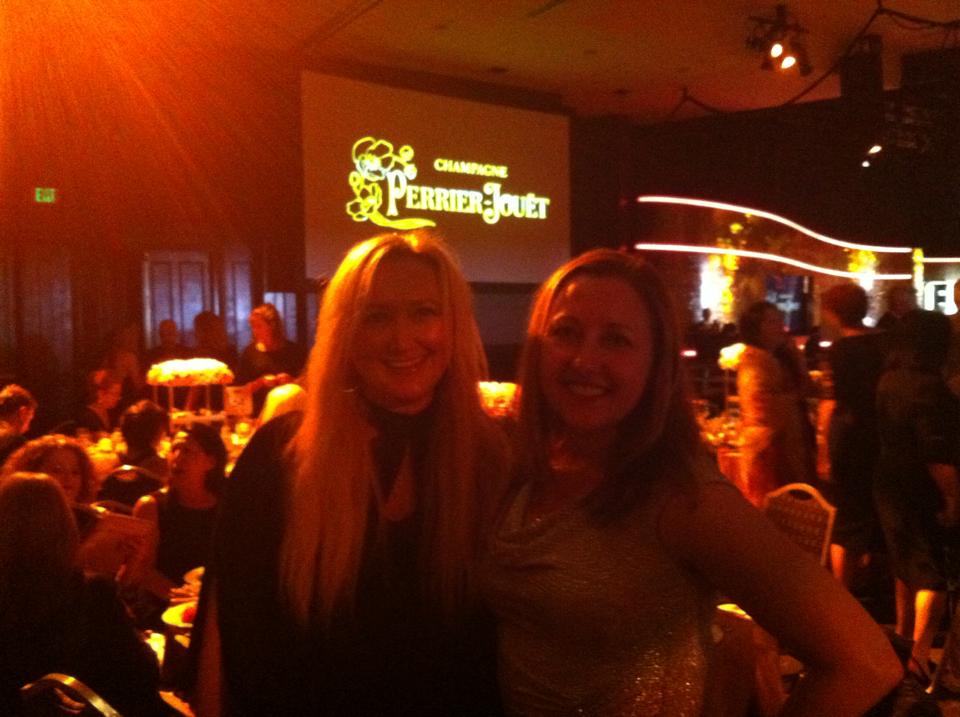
[(773, 36), (799, 50)]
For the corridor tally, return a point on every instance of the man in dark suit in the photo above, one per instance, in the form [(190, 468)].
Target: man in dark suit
[(17, 408)]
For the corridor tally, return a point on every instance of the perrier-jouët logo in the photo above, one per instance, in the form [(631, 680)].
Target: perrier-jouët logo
[(376, 163), (382, 180)]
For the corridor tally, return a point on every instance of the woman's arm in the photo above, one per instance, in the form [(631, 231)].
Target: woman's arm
[(145, 574), (848, 659)]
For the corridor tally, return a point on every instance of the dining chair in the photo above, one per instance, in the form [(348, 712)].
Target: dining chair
[(56, 694), (803, 514), (124, 485)]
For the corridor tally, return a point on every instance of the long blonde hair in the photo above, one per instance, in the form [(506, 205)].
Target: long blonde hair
[(333, 469)]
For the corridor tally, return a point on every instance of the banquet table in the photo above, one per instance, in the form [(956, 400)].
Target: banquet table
[(104, 458)]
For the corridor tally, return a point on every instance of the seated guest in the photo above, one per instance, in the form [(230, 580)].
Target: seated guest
[(211, 338), (212, 342), (169, 346), (53, 618), (17, 408), (122, 359), (183, 512), (271, 359), (103, 395), (143, 425), (63, 459), (606, 564)]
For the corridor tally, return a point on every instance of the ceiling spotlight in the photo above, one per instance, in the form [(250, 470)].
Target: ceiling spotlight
[(875, 149), (799, 50), (865, 163), (772, 36)]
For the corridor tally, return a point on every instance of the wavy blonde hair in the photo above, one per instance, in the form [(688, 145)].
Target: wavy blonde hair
[(333, 468)]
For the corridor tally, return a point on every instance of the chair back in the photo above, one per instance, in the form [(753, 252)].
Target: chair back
[(125, 485), (800, 511), (113, 506), (127, 473), (56, 694)]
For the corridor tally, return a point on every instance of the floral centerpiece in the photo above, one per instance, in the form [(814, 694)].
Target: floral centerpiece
[(189, 372), (724, 430), (499, 398), (730, 356)]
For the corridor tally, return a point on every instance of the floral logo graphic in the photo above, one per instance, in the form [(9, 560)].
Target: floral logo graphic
[(375, 161)]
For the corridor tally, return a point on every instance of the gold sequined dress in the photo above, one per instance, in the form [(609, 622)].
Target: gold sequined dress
[(596, 619)]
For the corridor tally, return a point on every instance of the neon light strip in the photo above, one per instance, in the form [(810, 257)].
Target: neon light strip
[(941, 260), (775, 217), (768, 257)]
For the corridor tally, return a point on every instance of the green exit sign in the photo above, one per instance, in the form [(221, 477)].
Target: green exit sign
[(45, 195)]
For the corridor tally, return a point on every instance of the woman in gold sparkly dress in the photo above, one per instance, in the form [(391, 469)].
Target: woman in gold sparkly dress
[(605, 563)]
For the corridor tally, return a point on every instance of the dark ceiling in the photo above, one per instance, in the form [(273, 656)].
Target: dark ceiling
[(627, 57)]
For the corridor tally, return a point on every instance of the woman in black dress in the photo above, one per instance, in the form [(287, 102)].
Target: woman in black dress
[(856, 362), (343, 580), (917, 488), (183, 513)]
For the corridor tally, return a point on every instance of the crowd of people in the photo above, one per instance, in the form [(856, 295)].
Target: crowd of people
[(119, 380), (891, 430), (388, 548)]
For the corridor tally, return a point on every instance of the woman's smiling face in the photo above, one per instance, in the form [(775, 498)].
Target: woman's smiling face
[(597, 353), (402, 345)]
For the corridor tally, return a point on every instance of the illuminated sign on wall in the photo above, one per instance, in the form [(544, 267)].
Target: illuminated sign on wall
[(695, 249), (938, 296), (492, 180), (383, 188), (45, 195)]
